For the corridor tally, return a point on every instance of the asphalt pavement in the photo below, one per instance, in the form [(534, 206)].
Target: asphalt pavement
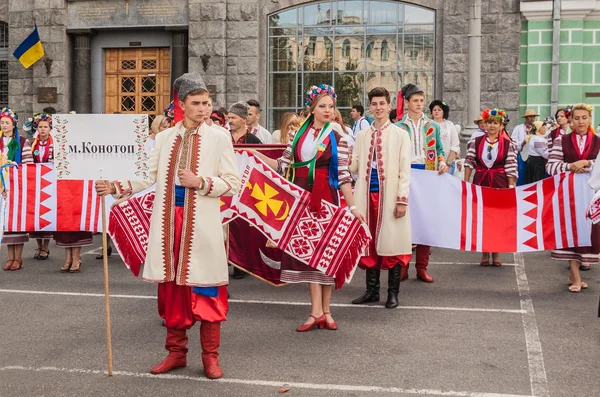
[(476, 331)]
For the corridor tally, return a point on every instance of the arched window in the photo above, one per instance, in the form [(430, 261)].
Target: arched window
[(346, 49), (385, 51), (369, 52), (310, 47), (354, 45)]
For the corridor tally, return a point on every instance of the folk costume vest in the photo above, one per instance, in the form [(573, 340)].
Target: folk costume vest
[(496, 175), (571, 150), (432, 142)]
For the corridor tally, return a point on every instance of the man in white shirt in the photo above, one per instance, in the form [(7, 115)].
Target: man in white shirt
[(518, 137), (360, 122), (256, 129)]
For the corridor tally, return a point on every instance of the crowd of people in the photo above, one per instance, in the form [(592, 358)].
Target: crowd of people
[(369, 163)]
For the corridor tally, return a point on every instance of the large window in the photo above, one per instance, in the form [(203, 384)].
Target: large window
[(354, 45)]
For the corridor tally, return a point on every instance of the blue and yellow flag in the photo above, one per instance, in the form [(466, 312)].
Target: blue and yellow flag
[(30, 50)]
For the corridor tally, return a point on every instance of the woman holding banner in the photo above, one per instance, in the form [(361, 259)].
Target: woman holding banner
[(42, 150), (493, 157), (317, 160), (577, 152), (18, 150)]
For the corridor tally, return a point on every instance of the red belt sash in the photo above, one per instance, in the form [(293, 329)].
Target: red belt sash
[(490, 173)]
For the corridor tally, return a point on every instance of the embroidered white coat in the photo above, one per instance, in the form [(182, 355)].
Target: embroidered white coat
[(202, 255), (393, 146)]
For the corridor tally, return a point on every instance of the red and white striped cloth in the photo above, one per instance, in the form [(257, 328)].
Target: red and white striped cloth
[(547, 215), (38, 202)]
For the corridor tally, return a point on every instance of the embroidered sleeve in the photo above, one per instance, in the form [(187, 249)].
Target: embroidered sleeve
[(556, 163), (283, 163), (227, 182), (510, 165), (471, 159), (439, 145), (404, 173), (26, 155), (344, 175)]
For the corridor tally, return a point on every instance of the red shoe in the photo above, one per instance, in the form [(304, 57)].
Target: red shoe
[(8, 265), (176, 344), (17, 264), (403, 273), (332, 326), (319, 323), (210, 340), (424, 276)]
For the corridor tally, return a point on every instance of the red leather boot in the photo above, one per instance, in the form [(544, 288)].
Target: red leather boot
[(403, 273), (210, 340), (176, 345), (421, 262)]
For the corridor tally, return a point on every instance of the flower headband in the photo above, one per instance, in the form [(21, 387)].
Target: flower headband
[(498, 114), (170, 111), (568, 111), (42, 117), (315, 91), (7, 112)]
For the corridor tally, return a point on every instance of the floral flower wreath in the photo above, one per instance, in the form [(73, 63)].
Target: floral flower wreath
[(568, 111), (498, 114), (7, 112), (315, 91), (42, 117), (170, 111)]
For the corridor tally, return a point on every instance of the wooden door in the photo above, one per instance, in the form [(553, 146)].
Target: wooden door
[(137, 80)]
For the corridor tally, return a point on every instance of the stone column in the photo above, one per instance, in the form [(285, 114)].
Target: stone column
[(82, 74), (179, 55), (474, 67)]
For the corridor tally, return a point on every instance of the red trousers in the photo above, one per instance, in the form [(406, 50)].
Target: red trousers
[(178, 305), (374, 261), (422, 257)]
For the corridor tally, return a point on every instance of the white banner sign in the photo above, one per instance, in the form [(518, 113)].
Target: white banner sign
[(107, 146)]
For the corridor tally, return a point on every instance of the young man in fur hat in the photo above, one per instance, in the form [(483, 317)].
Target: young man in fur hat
[(240, 131), (381, 158), (427, 153), (192, 166)]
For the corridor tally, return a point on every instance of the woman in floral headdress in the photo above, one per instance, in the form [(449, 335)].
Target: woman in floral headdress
[(42, 150), (317, 160), (577, 152), (18, 150), (493, 157)]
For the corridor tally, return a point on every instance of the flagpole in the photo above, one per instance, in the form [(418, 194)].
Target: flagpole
[(106, 296)]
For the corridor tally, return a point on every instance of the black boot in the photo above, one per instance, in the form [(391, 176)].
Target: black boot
[(372, 293), (237, 273), (393, 287)]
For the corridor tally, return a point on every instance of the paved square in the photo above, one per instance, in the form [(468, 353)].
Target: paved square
[(475, 331)]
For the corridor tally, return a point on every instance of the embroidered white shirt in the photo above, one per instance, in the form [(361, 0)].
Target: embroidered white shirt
[(416, 138), (5, 141), (309, 146), (581, 139), (490, 160), (538, 146)]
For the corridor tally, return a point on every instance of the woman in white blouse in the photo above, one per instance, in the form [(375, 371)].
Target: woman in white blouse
[(448, 131)]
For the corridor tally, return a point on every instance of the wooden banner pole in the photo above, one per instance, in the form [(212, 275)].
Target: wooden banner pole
[(106, 297)]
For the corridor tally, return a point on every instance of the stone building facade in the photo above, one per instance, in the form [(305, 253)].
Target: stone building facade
[(228, 41)]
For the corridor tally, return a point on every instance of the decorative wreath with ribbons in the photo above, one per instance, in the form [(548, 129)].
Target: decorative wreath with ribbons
[(170, 111), (315, 91), (42, 117), (7, 112), (498, 114)]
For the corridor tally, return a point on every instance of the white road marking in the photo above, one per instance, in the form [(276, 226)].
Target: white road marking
[(537, 370), (268, 383), (467, 263), (95, 251), (283, 303)]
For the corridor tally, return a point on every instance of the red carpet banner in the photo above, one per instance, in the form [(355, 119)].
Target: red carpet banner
[(36, 201), (550, 214), (330, 241)]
